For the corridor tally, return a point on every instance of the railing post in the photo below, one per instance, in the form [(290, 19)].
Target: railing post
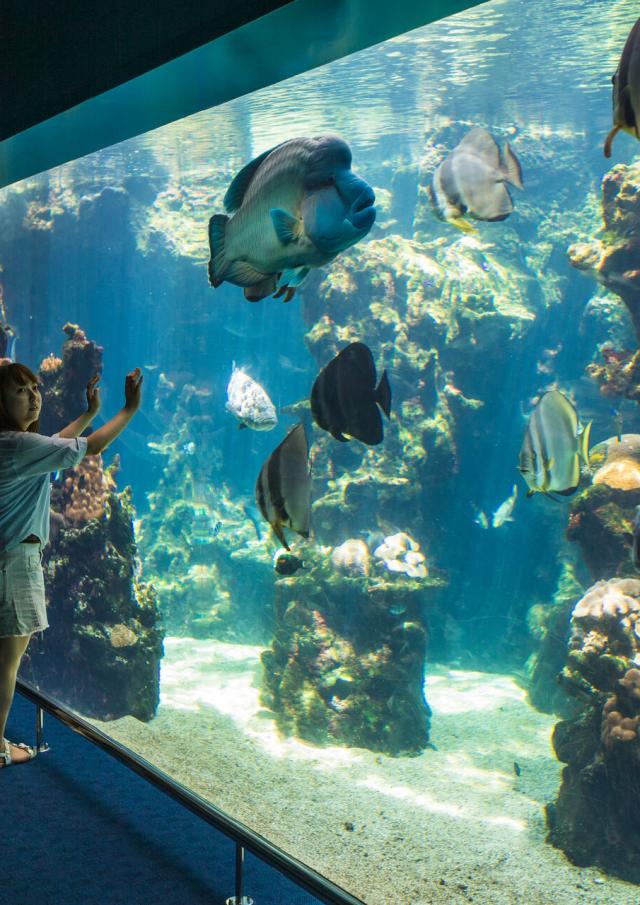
[(41, 746), (239, 898)]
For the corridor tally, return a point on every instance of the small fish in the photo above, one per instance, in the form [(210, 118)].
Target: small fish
[(294, 207), (473, 179), (283, 488), (635, 544), (249, 402), (481, 519), (504, 512), (517, 769), (553, 445), (345, 398), (286, 563), (626, 90), (216, 529)]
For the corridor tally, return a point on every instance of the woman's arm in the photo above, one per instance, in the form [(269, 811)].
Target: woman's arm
[(100, 439), (93, 407)]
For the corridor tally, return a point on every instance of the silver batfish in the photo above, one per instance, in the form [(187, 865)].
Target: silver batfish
[(473, 179), (294, 207), (249, 402)]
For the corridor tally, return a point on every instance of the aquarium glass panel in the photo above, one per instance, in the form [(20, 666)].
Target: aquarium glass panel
[(339, 573)]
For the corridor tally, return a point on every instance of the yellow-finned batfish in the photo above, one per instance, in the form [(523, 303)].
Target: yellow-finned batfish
[(345, 398), (473, 179), (283, 489), (626, 90), (553, 446), (294, 207)]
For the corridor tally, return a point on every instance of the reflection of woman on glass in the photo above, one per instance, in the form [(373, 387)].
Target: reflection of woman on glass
[(26, 460)]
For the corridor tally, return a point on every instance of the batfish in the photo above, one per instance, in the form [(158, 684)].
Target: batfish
[(283, 489), (553, 445), (473, 179), (345, 398)]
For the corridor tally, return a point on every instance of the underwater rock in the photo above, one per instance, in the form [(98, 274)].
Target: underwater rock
[(101, 654), (601, 520), (346, 664), (613, 258), (549, 624), (596, 817)]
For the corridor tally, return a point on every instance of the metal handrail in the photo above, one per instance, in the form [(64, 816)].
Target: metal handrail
[(308, 879)]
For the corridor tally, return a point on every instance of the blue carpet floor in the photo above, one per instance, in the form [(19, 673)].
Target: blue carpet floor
[(79, 827)]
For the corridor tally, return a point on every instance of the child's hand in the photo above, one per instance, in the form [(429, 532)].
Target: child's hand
[(132, 387), (93, 396)]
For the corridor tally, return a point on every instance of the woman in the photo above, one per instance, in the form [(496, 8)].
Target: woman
[(26, 460)]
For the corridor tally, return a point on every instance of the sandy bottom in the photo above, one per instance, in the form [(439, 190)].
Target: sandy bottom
[(452, 825)]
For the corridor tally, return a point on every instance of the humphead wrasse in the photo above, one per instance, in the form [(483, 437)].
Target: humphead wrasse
[(294, 207)]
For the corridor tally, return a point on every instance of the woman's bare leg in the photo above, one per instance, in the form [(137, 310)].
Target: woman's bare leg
[(11, 651)]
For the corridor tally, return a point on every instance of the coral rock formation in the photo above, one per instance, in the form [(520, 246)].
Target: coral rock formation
[(596, 818)]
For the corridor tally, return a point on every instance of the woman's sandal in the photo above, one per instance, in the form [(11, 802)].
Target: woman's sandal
[(5, 756)]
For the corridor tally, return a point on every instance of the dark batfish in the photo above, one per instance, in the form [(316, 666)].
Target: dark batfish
[(626, 90), (473, 179), (345, 398), (283, 489)]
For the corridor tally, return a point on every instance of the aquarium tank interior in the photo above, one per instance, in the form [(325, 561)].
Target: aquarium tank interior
[(364, 570)]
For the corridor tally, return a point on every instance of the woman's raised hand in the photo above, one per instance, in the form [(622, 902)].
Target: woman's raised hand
[(132, 387), (93, 396)]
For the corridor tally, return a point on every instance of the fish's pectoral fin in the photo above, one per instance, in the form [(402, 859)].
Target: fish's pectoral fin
[(288, 228), (609, 141), (217, 262), (293, 276), (511, 167), (383, 394), (583, 443), (463, 225)]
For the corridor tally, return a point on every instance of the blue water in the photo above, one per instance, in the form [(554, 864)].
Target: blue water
[(130, 268)]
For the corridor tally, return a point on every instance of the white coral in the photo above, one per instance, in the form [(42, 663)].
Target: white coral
[(400, 553)]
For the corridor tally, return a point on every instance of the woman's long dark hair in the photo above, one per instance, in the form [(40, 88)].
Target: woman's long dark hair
[(16, 374)]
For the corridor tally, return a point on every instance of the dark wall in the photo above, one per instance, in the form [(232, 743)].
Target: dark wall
[(57, 54)]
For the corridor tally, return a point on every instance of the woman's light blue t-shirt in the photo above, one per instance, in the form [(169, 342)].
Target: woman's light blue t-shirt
[(26, 461)]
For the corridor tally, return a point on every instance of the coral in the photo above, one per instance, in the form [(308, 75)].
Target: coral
[(600, 745), (400, 553), (620, 462), (352, 557)]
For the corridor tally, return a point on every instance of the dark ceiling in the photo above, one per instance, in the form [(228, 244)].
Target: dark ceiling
[(58, 53)]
